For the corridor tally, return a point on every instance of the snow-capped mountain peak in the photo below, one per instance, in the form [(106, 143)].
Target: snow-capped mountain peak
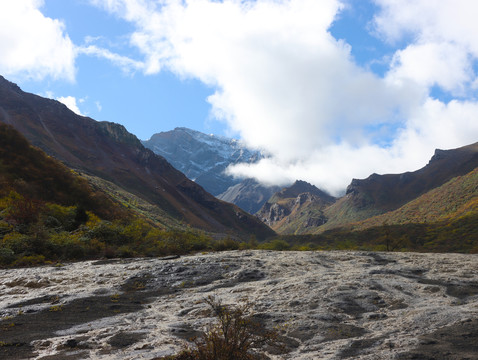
[(202, 157)]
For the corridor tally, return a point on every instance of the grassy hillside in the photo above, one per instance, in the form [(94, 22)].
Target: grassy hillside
[(456, 198), (135, 203)]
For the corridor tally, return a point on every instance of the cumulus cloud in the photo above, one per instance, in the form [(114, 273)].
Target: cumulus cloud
[(430, 64), (33, 45), (70, 102), (287, 86), (443, 45)]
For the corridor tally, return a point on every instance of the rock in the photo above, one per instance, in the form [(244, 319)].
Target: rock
[(124, 339), (325, 305)]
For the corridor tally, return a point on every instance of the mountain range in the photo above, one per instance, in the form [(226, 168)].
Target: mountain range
[(109, 152), (450, 176), (204, 159), (303, 208), (111, 158)]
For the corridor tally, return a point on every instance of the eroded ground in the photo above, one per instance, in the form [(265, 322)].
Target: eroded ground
[(327, 305)]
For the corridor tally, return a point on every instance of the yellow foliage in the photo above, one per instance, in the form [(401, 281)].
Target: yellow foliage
[(93, 220)]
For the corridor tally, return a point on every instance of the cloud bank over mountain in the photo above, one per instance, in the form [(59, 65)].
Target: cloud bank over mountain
[(286, 85)]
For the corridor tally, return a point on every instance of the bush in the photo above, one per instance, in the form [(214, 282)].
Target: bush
[(7, 256), (234, 336), (31, 260), (225, 244), (276, 244)]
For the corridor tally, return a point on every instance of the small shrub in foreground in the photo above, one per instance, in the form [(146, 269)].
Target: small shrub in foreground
[(234, 336)]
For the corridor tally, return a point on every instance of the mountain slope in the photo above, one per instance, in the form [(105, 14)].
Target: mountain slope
[(379, 194), (456, 198), (389, 192), (202, 158), (31, 173), (108, 151)]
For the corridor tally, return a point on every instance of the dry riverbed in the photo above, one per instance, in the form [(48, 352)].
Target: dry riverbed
[(327, 305)]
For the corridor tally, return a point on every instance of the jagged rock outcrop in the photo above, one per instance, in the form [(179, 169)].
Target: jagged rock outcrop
[(296, 207)]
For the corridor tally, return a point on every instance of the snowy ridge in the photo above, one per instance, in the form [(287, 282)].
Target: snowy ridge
[(202, 157)]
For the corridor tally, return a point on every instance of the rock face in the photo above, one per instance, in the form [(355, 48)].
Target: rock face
[(296, 208), (326, 305)]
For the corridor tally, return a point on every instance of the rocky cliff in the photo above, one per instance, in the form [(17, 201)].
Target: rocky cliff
[(296, 209)]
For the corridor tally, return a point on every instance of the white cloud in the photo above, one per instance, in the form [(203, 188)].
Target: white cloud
[(287, 86), (98, 106), (441, 41), (425, 20), (70, 102), (430, 64), (127, 64), (33, 45)]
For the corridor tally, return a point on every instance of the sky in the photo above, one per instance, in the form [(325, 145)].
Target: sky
[(330, 90)]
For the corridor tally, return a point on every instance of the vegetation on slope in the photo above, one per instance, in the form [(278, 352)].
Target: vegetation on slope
[(454, 199), (444, 219), (458, 234), (49, 213)]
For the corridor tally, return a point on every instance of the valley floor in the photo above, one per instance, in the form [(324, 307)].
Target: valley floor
[(327, 305)]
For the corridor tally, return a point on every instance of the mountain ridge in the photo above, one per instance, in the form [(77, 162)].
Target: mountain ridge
[(296, 208)]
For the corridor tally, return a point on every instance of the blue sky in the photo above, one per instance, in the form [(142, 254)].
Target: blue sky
[(145, 104), (331, 89)]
